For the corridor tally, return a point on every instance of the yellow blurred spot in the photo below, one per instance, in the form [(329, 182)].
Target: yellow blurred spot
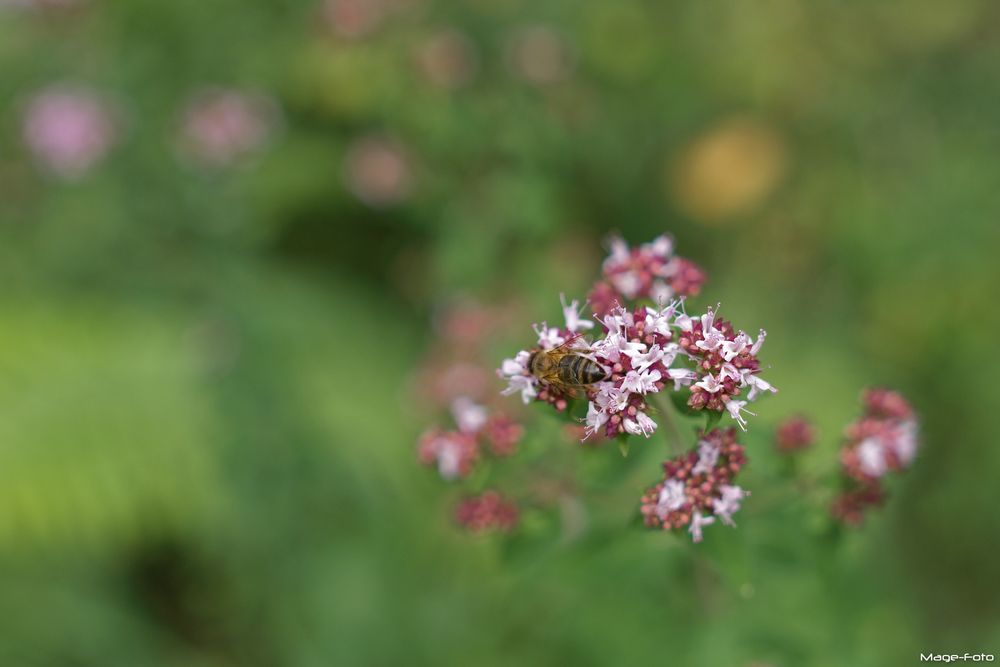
[(728, 171)]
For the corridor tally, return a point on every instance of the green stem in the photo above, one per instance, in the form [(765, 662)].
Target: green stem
[(666, 412)]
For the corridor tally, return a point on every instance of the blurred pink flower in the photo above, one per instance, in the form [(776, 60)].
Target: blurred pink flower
[(221, 126), (378, 172), (794, 434), (354, 19), (487, 511), (453, 453), (539, 55), (883, 440), (447, 59), (68, 129)]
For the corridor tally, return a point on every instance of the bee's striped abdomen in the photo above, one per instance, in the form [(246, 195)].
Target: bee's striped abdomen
[(577, 370)]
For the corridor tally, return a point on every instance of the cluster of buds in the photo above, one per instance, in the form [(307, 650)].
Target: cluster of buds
[(651, 271), (883, 440), (456, 452), (487, 511), (794, 434), (697, 487), (726, 363)]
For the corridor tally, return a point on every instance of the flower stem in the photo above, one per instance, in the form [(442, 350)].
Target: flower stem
[(666, 412)]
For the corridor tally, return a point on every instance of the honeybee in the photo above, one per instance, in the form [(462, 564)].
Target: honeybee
[(565, 368)]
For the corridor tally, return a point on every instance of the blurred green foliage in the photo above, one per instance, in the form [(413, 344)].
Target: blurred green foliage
[(207, 403)]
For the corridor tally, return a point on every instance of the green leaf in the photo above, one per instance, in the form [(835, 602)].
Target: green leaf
[(680, 401)]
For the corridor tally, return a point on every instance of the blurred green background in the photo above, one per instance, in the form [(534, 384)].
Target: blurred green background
[(230, 243)]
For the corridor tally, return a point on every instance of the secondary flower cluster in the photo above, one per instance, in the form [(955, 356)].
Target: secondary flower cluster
[(883, 440), (456, 452), (794, 434), (697, 487), (487, 511), (650, 271), (726, 362)]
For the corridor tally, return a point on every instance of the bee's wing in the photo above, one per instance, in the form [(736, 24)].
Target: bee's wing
[(566, 346)]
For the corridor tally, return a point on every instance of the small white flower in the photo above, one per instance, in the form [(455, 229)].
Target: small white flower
[(469, 415), (708, 456), (658, 321), (755, 348), (728, 371), (641, 425), (641, 383), (707, 320), (682, 377), (610, 398), (596, 418), (449, 458), (524, 384), (871, 457), (619, 251), (548, 338), (516, 366), (572, 314), (732, 348), (684, 322), (671, 498), (626, 282), (728, 503), (697, 523), (661, 246), (660, 292), (735, 408), (643, 360), (906, 442), (646, 423), (713, 339), (710, 384), (758, 385)]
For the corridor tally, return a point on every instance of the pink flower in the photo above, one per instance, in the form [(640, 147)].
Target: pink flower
[(469, 415), (883, 440), (651, 271), (221, 126), (378, 172), (502, 434), (697, 487), (487, 511), (725, 360), (447, 59), (794, 434), (68, 129), (849, 507), (454, 453)]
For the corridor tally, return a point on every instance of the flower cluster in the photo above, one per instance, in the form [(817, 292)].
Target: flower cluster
[(883, 440), (726, 363), (69, 129), (456, 452), (697, 487), (650, 271), (637, 351), (794, 434), (637, 355), (487, 511), (222, 125)]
